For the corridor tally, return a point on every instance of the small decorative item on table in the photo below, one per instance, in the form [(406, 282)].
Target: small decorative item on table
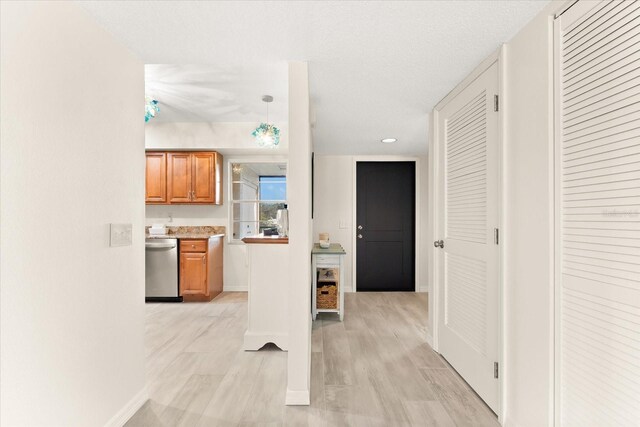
[(324, 241)]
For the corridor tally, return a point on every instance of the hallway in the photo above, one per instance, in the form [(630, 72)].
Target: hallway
[(372, 369)]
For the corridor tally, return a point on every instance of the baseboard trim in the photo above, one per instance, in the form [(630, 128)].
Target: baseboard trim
[(122, 416), (297, 398), (255, 341), (430, 340), (235, 289)]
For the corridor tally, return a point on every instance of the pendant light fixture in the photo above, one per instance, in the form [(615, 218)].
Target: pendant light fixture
[(150, 108), (267, 135)]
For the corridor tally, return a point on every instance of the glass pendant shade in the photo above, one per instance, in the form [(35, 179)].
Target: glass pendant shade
[(267, 135), (150, 108)]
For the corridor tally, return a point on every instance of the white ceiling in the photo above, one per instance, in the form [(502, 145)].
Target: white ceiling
[(376, 68), (212, 93)]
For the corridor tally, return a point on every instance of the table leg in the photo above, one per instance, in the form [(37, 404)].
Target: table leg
[(341, 290), (314, 308)]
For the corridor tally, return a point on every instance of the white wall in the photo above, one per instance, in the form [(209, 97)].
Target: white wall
[(235, 142), (333, 206), (333, 201), (216, 136), (528, 260), (300, 242), (72, 161)]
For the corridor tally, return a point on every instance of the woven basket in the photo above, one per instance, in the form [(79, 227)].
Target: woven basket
[(327, 295)]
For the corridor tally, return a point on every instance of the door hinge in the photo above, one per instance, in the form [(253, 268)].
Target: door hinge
[(496, 236), (496, 103), (495, 369)]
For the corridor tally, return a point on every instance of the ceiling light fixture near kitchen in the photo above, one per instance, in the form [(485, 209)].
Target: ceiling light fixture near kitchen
[(267, 135), (388, 140), (150, 108)]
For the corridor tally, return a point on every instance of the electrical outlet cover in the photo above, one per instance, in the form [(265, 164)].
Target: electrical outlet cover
[(120, 235)]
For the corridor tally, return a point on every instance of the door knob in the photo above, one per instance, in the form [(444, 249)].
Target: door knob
[(359, 227), (359, 236), (438, 244)]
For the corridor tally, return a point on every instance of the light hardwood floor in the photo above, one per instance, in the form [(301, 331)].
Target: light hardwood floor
[(373, 369)]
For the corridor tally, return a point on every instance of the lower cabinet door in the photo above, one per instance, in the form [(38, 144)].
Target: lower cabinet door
[(193, 274)]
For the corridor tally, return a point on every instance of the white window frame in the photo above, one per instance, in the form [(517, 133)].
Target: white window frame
[(230, 182)]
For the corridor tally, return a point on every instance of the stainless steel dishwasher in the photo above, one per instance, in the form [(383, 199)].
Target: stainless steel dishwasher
[(161, 264)]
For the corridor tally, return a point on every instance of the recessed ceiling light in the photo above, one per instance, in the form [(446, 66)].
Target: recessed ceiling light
[(388, 140)]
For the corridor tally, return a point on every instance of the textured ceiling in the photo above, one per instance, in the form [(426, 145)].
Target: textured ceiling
[(211, 93), (376, 68)]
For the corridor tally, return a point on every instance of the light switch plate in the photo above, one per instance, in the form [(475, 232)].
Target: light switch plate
[(120, 235)]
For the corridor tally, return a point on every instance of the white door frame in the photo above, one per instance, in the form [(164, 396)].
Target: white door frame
[(416, 249), (435, 185)]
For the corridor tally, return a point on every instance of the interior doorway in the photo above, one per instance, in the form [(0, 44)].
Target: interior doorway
[(385, 226), (467, 254)]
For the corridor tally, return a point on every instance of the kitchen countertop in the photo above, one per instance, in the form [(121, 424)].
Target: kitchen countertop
[(183, 236), (260, 239), (189, 232)]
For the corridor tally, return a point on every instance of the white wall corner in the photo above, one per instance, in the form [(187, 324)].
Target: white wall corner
[(300, 235), (127, 411)]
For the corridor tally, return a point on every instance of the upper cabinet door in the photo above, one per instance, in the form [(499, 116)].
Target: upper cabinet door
[(179, 177), (203, 176), (184, 178), (218, 169), (156, 178)]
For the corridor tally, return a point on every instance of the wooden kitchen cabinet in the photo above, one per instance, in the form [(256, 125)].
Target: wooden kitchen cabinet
[(193, 275), (201, 263), (179, 177), (156, 178), (203, 179), (189, 178)]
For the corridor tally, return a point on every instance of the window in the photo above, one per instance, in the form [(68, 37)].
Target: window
[(258, 191)]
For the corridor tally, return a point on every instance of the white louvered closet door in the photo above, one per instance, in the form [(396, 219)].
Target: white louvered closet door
[(598, 214), (468, 262)]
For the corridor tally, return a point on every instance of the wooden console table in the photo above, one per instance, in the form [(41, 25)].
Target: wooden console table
[(324, 263)]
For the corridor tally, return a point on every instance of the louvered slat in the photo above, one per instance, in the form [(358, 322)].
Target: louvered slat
[(465, 299), (599, 214), (466, 172)]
